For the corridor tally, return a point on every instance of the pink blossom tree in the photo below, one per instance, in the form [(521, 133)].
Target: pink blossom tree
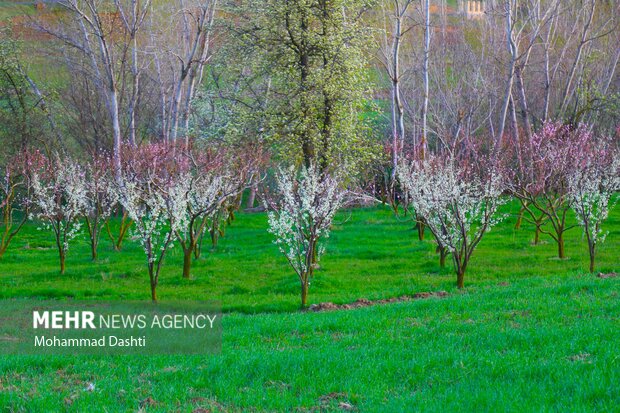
[(301, 217), (459, 205), (59, 199), (591, 187), (153, 188), (539, 168)]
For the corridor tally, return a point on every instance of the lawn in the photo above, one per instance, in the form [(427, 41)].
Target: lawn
[(529, 333)]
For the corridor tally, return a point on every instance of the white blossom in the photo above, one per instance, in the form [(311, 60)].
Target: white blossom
[(303, 216), (591, 188), (59, 198), (457, 206)]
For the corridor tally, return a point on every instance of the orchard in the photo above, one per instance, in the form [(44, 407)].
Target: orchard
[(397, 205)]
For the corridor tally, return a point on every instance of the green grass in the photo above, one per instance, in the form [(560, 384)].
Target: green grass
[(529, 333), (370, 254)]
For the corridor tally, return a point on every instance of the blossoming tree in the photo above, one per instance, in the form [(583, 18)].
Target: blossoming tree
[(538, 169), (211, 183), (591, 187), (459, 205), (302, 216), (153, 189), (59, 199), (101, 197), (13, 189)]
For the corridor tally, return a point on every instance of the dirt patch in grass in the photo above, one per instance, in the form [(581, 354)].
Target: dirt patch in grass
[(608, 275), (362, 302)]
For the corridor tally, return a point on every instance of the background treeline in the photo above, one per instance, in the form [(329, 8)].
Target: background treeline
[(323, 77)]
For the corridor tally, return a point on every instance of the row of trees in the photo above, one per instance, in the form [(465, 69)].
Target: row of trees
[(168, 193), (174, 194)]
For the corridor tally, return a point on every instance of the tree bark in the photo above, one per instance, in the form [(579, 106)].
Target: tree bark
[(153, 279), (592, 257), (443, 254), (427, 48), (420, 226), (522, 99), (511, 69), (61, 256), (561, 253), (460, 279), (251, 197), (304, 294), (93, 249), (520, 218), (187, 261)]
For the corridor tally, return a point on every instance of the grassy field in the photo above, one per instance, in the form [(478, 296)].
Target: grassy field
[(529, 333)]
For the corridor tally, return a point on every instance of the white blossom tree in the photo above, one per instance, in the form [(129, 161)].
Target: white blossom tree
[(210, 186), (153, 189), (101, 197), (59, 199), (302, 217), (458, 205), (591, 188)]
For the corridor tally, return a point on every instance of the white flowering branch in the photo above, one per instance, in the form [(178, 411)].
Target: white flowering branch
[(154, 194), (591, 187), (458, 207), (59, 200), (101, 197), (302, 216), (208, 191)]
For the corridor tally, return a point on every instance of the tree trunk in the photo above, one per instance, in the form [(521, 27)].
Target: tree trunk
[(561, 253), (251, 197), (61, 252), (93, 249), (511, 70), (215, 232), (198, 246), (520, 218), (62, 255), (304, 294), (443, 254), (592, 255), (425, 74), (420, 226), (125, 225), (460, 279), (187, 261), (153, 280), (522, 99), (537, 235)]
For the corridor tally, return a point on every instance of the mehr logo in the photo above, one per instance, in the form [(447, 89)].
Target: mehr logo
[(63, 319)]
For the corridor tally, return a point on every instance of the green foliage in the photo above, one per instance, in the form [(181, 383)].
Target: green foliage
[(303, 84), (21, 122)]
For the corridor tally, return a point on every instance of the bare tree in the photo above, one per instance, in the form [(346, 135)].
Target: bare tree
[(395, 13)]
